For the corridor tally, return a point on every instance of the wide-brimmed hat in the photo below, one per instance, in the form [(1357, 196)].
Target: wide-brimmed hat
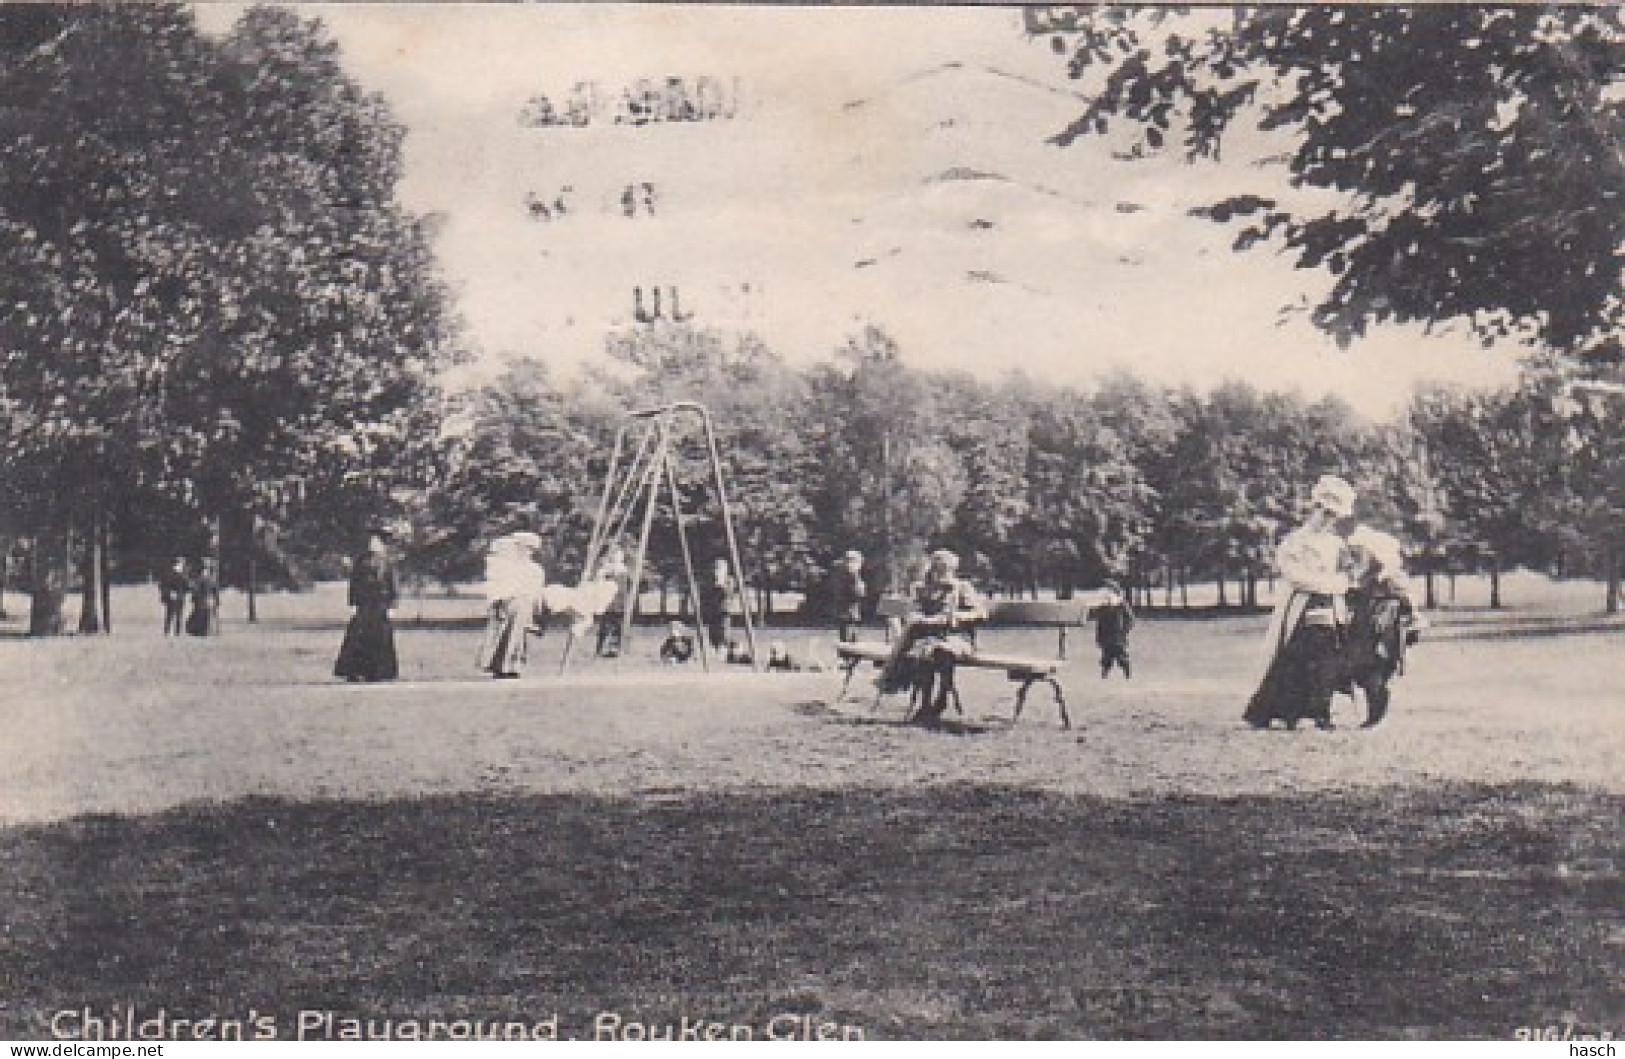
[(852, 554), (946, 558), (525, 539), (1333, 494)]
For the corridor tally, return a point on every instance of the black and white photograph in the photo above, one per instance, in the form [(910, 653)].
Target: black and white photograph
[(812, 522)]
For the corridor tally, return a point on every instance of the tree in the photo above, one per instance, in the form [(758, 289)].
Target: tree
[(759, 410), (1446, 162), (1575, 425), (1087, 501), (987, 429), (208, 291), (517, 457), (1147, 420), (890, 481), (1477, 451)]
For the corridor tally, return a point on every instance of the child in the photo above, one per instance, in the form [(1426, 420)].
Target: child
[(1114, 620), (847, 592), (678, 646), (779, 659), (1383, 620)]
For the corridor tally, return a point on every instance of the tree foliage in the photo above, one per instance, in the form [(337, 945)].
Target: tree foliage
[(207, 291), (1445, 161)]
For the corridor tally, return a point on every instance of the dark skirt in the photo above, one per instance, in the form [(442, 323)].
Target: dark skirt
[(203, 621), (504, 649), (1300, 680), (368, 651)]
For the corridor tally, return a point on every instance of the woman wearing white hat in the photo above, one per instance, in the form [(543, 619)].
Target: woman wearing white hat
[(1302, 647), (514, 587)]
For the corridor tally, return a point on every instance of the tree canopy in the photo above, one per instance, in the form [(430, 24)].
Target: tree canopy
[(207, 290), (1444, 162)]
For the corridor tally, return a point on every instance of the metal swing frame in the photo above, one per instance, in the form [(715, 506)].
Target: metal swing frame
[(640, 467)]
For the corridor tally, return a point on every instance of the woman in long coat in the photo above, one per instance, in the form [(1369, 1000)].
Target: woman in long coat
[(368, 651), (1304, 643), (514, 586), (205, 589)]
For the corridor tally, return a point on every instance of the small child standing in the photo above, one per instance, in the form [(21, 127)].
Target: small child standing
[(1383, 619), (1114, 620)]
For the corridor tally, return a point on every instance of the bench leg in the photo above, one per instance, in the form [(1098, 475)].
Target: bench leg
[(1060, 702), (1060, 699), (850, 667), (1021, 698)]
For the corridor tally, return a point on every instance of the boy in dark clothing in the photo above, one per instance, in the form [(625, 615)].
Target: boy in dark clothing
[(1114, 620), (714, 606), (174, 588)]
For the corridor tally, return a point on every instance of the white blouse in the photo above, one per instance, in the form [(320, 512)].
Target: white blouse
[(1310, 561)]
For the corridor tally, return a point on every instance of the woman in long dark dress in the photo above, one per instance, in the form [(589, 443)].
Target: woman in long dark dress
[(205, 588), (368, 652)]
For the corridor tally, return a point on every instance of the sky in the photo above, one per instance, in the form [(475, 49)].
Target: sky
[(884, 166)]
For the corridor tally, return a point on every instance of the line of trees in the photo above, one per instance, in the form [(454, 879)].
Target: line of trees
[(1038, 487), (220, 334)]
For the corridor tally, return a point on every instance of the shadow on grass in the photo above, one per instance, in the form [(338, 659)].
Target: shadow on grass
[(953, 912), (943, 726)]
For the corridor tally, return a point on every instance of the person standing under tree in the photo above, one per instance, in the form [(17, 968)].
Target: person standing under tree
[(614, 569), (368, 651), (847, 593), (714, 606), (1114, 620), (173, 589), (205, 585)]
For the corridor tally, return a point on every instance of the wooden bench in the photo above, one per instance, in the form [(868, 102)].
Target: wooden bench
[(1027, 671)]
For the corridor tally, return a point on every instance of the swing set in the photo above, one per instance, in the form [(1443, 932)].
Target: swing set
[(642, 467)]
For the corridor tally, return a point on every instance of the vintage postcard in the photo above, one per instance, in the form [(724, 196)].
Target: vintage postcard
[(811, 522)]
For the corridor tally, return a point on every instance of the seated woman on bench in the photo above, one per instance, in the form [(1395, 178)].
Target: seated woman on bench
[(944, 606)]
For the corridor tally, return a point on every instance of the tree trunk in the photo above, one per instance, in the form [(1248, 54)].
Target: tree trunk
[(663, 598), (1168, 586), (105, 568), (1224, 602), (254, 571), (1495, 585), (1431, 597), (90, 570), (1612, 604), (1184, 588), (1452, 578), (5, 575), (49, 580)]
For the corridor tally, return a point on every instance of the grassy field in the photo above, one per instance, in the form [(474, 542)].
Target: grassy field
[(218, 830)]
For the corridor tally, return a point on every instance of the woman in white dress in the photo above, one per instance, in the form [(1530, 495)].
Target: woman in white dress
[(514, 589), (1304, 643)]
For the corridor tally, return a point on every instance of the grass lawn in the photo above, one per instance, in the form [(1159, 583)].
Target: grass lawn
[(218, 830)]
